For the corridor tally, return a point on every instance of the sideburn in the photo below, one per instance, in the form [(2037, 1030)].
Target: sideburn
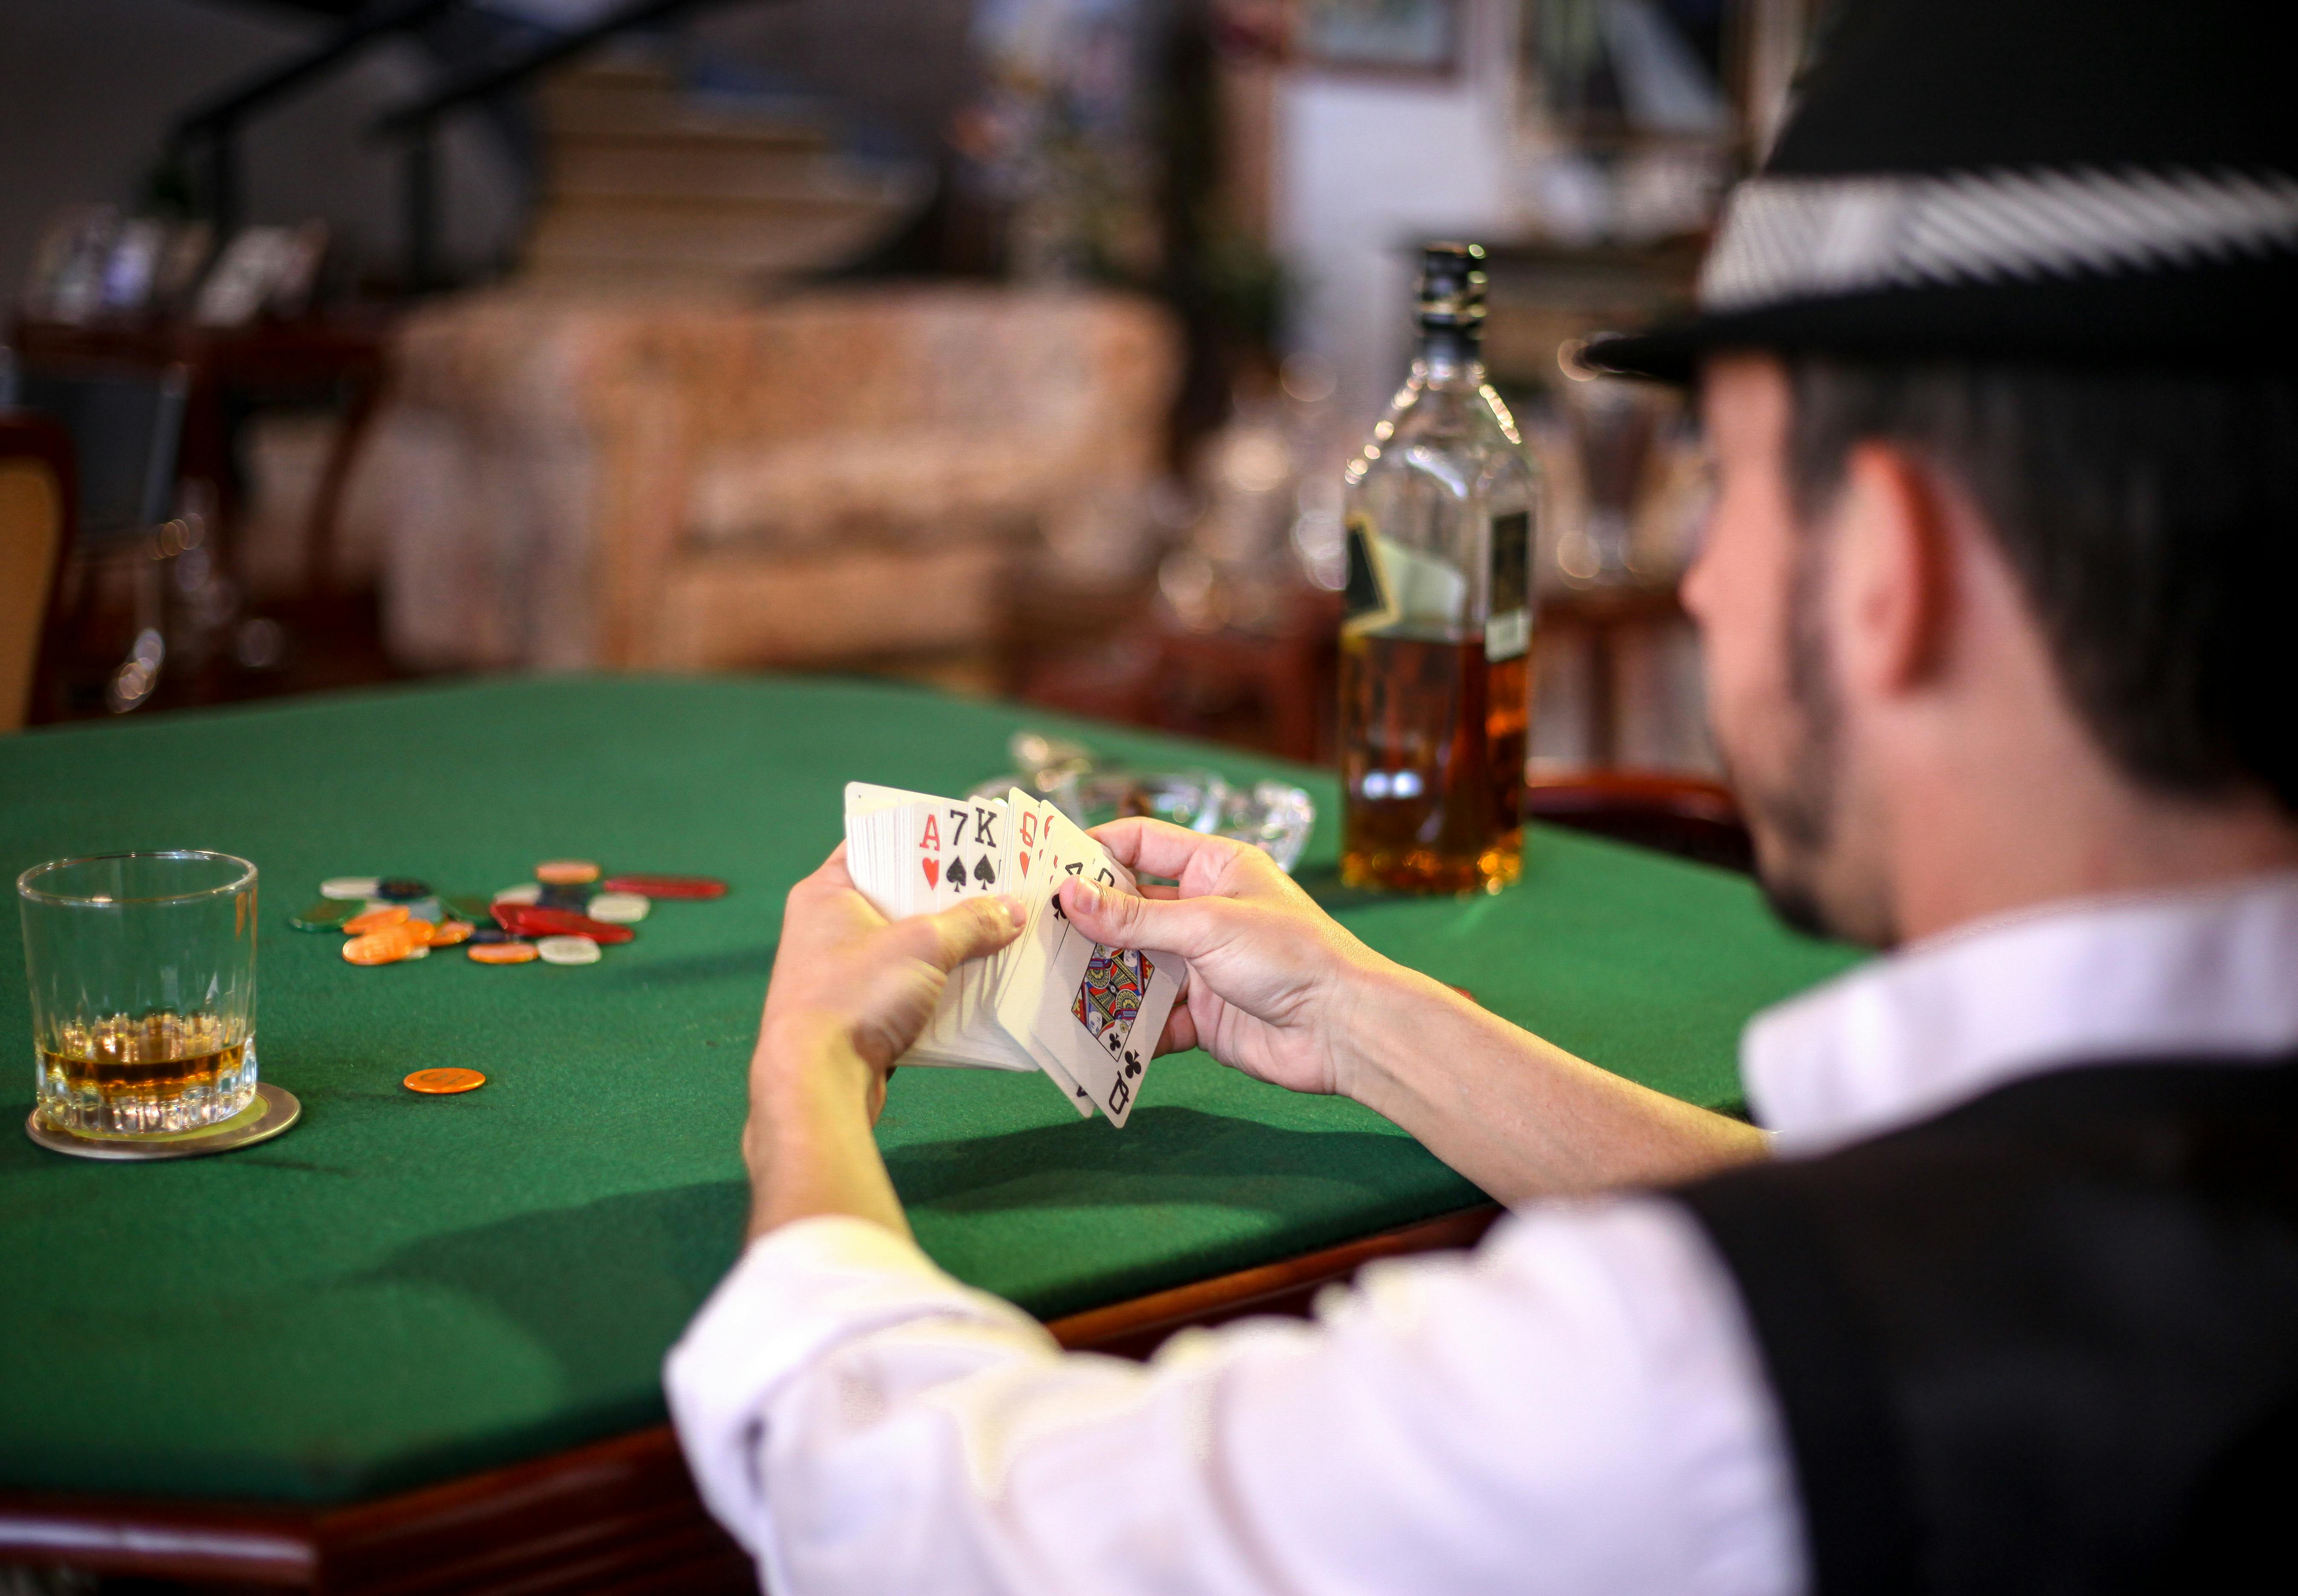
[(1800, 812)]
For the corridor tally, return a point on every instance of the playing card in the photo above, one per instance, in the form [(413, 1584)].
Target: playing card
[(864, 797), (1118, 1002), (1052, 1000), (1088, 1013)]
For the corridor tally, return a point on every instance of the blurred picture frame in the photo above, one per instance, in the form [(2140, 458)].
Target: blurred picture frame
[(1418, 38)]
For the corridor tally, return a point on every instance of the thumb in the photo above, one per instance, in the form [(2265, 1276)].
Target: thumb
[(968, 931), (1189, 927)]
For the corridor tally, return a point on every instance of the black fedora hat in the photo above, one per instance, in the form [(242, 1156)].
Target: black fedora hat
[(2103, 182)]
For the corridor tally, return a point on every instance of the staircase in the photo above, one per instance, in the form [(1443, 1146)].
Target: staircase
[(647, 186)]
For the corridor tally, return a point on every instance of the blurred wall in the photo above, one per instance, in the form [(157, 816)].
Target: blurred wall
[(900, 64), (1366, 166)]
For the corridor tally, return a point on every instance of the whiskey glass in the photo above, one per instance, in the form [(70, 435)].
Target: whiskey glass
[(143, 984)]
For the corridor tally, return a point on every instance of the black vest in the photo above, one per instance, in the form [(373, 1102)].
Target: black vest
[(2045, 1343)]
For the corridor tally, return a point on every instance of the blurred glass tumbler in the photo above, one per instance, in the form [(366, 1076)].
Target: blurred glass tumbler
[(143, 976)]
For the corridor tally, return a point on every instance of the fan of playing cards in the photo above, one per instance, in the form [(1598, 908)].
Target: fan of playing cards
[(1053, 998)]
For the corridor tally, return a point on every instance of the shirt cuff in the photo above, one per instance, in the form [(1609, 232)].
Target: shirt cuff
[(797, 1294)]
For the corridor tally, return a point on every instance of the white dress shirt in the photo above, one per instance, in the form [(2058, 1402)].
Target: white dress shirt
[(1576, 1406)]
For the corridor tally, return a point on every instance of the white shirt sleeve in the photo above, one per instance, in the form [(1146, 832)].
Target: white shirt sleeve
[(1577, 1405)]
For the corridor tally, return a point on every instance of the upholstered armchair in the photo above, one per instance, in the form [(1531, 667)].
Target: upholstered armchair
[(844, 476)]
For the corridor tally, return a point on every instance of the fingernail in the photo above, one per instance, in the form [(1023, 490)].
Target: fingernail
[(1087, 893), (1014, 911)]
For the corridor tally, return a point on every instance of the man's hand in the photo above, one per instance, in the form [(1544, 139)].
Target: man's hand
[(1278, 991), (850, 992), (1272, 977)]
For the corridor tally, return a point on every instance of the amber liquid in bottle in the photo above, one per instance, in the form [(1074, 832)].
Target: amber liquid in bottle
[(1432, 768)]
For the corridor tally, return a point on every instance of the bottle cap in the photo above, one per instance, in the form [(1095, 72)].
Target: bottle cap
[(1452, 285)]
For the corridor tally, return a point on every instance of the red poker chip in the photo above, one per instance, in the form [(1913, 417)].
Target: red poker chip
[(524, 919), (666, 885)]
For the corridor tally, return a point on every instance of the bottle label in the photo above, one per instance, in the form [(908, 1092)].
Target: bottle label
[(1507, 632), (1367, 603)]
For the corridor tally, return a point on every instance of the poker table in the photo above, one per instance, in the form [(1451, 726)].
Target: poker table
[(414, 1343)]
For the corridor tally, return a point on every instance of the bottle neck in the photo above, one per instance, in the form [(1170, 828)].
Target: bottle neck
[(1450, 351)]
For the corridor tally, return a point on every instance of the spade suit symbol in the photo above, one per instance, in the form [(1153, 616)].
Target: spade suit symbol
[(984, 872)]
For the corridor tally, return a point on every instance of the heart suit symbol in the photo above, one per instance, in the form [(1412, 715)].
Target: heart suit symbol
[(932, 869)]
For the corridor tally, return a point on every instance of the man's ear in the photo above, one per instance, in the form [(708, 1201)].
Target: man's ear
[(1890, 583)]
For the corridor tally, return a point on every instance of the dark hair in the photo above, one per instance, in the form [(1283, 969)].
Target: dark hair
[(2153, 518)]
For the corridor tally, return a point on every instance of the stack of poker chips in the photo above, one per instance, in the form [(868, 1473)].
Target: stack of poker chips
[(564, 916)]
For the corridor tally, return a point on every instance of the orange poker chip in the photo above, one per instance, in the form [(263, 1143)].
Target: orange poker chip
[(448, 933), (439, 1083), (502, 953), (375, 920), (567, 873), (389, 945)]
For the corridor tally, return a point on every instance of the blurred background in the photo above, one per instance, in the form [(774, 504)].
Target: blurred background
[(1015, 347)]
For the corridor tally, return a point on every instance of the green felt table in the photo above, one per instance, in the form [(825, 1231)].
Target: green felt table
[(407, 1288)]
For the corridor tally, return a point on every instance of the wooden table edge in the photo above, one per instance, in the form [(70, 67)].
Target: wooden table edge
[(594, 1517)]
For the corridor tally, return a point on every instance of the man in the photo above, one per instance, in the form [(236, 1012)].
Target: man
[(1994, 364)]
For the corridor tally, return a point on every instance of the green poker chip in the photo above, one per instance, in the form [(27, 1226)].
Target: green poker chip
[(328, 914), (463, 906)]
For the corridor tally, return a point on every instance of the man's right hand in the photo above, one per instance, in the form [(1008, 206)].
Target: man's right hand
[(1274, 980)]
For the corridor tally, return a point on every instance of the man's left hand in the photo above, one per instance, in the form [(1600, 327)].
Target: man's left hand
[(850, 992)]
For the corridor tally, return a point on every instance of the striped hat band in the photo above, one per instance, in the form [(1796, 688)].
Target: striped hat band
[(1788, 238)]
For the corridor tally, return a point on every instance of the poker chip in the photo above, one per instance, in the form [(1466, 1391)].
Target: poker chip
[(328, 914), (374, 920), (523, 921), (619, 908), (564, 916), (500, 951), (385, 946), (666, 885), (441, 1083), (568, 950)]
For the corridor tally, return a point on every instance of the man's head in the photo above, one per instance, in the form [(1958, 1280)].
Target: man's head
[(1938, 594)]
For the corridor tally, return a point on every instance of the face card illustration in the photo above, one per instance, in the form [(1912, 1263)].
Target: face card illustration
[(1109, 998), (1104, 1017)]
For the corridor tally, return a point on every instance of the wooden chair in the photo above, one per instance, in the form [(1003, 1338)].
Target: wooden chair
[(1677, 814), (38, 527)]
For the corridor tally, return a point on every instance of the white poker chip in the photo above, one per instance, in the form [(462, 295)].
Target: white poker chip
[(565, 950), (619, 908), (350, 885), (525, 892)]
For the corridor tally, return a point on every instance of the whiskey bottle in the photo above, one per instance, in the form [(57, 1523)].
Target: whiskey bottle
[(1435, 643)]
